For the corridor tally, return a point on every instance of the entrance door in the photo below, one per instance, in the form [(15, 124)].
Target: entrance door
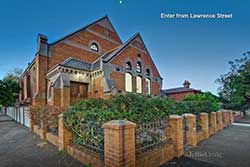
[(78, 91)]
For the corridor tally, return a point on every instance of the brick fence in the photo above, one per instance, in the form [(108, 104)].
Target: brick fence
[(119, 139)]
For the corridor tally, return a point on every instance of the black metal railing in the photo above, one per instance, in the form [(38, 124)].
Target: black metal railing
[(150, 135)]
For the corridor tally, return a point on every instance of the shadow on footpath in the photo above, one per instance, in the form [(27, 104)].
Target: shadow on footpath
[(188, 162)]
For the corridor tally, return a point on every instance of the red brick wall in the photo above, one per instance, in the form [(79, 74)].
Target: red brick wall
[(62, 51), (179, 96), (131, 53)]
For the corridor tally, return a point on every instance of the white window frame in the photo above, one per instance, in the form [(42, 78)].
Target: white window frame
[(148, 86), (128, 82), (138, 84)]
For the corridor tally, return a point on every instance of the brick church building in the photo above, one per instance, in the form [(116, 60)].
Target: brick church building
[(91, 62)]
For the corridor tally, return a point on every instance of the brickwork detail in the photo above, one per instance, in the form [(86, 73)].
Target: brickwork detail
[(119, 143), (226, 118), (219, 120), (87, 158), (44, 130), (174, 132), (213, 123), (204, 125), (157, 156), (52, 138), (64, 136), (191, 129)]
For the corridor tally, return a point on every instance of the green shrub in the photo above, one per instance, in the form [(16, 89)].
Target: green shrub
[(195, 104)]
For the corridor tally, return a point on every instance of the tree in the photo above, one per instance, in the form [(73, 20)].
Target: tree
[(14, 74), (9, 87), (235, 85)]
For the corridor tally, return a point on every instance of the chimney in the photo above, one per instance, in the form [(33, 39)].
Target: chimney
[(186, 84), (42, 45)]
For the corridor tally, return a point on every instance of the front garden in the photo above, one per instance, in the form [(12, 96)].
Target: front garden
[(84, 121), (86, 118)]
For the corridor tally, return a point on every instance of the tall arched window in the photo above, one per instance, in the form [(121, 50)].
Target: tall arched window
[(148, 85), (148, 72), (128, 66), (128, 82), (138, 84), (138, 67)]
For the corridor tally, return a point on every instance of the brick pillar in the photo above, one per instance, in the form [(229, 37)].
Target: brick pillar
[(219, 120), (64, 136), (231, 117), (213, 122), (225, 117), (44, 129), (175, 133), (32, 122), (191, 129), (204, 125), (119, 143)]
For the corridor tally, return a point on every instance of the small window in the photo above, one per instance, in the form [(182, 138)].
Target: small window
[(138, 67), (138, 84), (94, 47), (128, 66), (148, 72), (148, 86)]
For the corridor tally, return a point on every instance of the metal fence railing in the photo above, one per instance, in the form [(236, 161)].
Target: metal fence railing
[(19, 114), (150, 135)]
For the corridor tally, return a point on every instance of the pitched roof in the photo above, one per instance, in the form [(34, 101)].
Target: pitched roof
[(85, 27), (108, 56), (77, 64), (180, 90)]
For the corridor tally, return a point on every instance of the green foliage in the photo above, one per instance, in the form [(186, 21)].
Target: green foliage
[(9, 90), (201, 102), (9, 87), (235, 85)]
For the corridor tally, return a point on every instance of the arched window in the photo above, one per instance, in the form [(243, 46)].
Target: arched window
[(138, 67), (148, 89), (94, 47), (128, 82), (138, 84), (148, 72), (128, 66)]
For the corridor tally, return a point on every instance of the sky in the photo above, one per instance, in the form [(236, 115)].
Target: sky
[(197, 50)]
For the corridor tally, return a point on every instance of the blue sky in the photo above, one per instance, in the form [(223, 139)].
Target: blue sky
[(196, 50)]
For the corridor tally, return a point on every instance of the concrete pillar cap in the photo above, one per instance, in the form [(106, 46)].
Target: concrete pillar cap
[(60, 115), (188, 115), (119, 124), (175, 116)]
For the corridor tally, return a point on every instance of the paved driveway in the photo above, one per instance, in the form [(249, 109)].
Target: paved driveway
[(229, 148), (20, 148)]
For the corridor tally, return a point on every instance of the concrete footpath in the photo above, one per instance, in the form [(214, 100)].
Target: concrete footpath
[(20, 148), (229, 148)]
